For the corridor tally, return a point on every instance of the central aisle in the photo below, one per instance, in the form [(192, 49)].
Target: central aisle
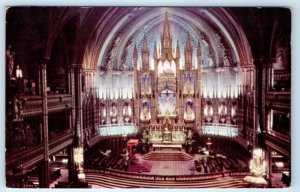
[(170, 167)]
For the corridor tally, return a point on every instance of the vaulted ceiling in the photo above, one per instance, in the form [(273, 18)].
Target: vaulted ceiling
[(103, 37)]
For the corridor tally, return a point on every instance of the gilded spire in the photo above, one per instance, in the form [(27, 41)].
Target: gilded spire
[(166, 33)]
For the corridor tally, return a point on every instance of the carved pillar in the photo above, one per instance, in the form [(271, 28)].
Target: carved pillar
[(44, 179)]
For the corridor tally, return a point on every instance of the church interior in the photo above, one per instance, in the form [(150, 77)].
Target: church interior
[(148, 97)]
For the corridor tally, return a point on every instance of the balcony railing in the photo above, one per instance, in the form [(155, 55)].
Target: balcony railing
[(280, 136), (227, 130), (28, 158), (32, 105), (279, 99)]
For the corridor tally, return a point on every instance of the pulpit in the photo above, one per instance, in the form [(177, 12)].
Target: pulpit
[(130, 144)]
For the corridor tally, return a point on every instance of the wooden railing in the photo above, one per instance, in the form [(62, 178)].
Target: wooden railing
[(32, 105), (150, 177), (30, 157), (279, 99), (278, 141), (282, 137)]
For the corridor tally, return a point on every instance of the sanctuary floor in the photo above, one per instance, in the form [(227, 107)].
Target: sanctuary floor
[(170, 167)]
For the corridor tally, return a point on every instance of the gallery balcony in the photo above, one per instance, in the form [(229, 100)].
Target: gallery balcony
[(25, 159), (32, 105), (278, 141), (279, 100)]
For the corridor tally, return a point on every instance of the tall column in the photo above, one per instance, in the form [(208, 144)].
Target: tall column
[(72, 173), (39, 83), (78, 144), (198, 97), (44, 183), (263, 96), (72, 93), (269, 165)]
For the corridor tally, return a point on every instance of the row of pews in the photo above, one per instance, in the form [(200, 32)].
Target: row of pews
[(215, 164), (114, 162), (32, 179)]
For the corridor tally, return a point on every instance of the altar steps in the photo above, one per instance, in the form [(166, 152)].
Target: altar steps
[(167, 156)]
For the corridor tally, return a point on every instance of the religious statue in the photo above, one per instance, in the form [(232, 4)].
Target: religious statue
[(166, 127), (127, 110), (166, 134), (189, 113), (167, 67), (113, 112), (145, 114), (146, 89), (188, 87), (17, 108), (189, 134), (127, 113), (10, 61), (103, 112), (222, 110)]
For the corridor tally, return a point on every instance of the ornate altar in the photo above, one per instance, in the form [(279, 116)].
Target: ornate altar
[(167, 91)]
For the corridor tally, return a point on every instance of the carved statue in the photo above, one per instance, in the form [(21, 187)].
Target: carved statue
[(17, 108), (145, 115), (189, 114), (10, 61)]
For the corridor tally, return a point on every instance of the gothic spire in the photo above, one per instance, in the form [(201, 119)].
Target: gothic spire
[(166, 33), (188, 53), (145, 55), (145, 45)]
